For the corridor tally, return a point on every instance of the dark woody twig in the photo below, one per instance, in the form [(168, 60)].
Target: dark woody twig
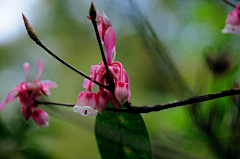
[(158, 107), (33, 35), (229, 3)]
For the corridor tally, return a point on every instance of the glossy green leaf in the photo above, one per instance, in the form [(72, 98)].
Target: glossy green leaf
[(122, 135)]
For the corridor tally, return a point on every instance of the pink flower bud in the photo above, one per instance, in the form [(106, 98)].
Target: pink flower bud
[(102, 101), (86, 104), (121, 92), (41, 118), (26, 113), (233, 22)]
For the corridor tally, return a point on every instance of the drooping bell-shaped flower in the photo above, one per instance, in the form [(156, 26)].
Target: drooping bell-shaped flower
[(233, 21), (102, 101), (29, 92), (86, 104), (26, 112), (121, 91)]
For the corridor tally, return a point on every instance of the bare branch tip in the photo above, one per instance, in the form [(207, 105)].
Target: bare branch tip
[(92, 12), (31, 32)]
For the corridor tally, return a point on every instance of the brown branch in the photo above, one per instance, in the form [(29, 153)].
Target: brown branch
[(229, 3), (33, 35), (158, 107), (38, 42)]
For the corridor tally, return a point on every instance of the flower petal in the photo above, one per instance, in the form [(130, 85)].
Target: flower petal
[(109, 43), (40, 68), (231, 29), (121, 91), (102, 101), (26, 112), (41, 118), (99, 18), (46, 85), (11, 95), (26, 66), (85, 110), (106, 20)]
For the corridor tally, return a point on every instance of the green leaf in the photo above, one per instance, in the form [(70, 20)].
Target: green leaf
[(122, 135)]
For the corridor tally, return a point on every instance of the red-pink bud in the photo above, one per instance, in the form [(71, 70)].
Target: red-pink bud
[(86, 104), (26, 113), (121, 92), (102, 101), (41, 118)]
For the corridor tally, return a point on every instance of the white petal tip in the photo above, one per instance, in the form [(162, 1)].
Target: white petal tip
[(85, 110)]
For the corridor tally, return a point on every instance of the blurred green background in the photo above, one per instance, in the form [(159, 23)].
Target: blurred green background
[(166, 47)]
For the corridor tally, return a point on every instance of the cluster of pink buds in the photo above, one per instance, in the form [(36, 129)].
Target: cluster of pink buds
[(233, 21), (27, 93), (88, 101)]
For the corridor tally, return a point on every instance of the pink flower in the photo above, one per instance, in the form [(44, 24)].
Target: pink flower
[(103, 24), (86, 104), (233, 21), (27, 92), (102, 101), (121, 91), (41, 118), (98, 73)]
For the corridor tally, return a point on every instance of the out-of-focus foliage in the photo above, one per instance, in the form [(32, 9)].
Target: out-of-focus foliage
[(161, 44)]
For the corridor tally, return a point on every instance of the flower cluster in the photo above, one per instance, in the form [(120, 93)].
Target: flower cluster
[(88, 101), (27, 93), (233, 21), (110, 75)]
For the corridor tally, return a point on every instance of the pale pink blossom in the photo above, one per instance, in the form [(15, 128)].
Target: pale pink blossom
[(102, 101), (41, 118), (86, 104), (121, 91), (233, 21), (28, 92)]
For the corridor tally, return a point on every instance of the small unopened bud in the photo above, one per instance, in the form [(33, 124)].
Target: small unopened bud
[(92, 12), (31, 32), (41, 118)]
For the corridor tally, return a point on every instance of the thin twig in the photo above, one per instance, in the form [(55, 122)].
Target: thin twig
[(158, 107), (38, 42), (33, 35), (229, 3)]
